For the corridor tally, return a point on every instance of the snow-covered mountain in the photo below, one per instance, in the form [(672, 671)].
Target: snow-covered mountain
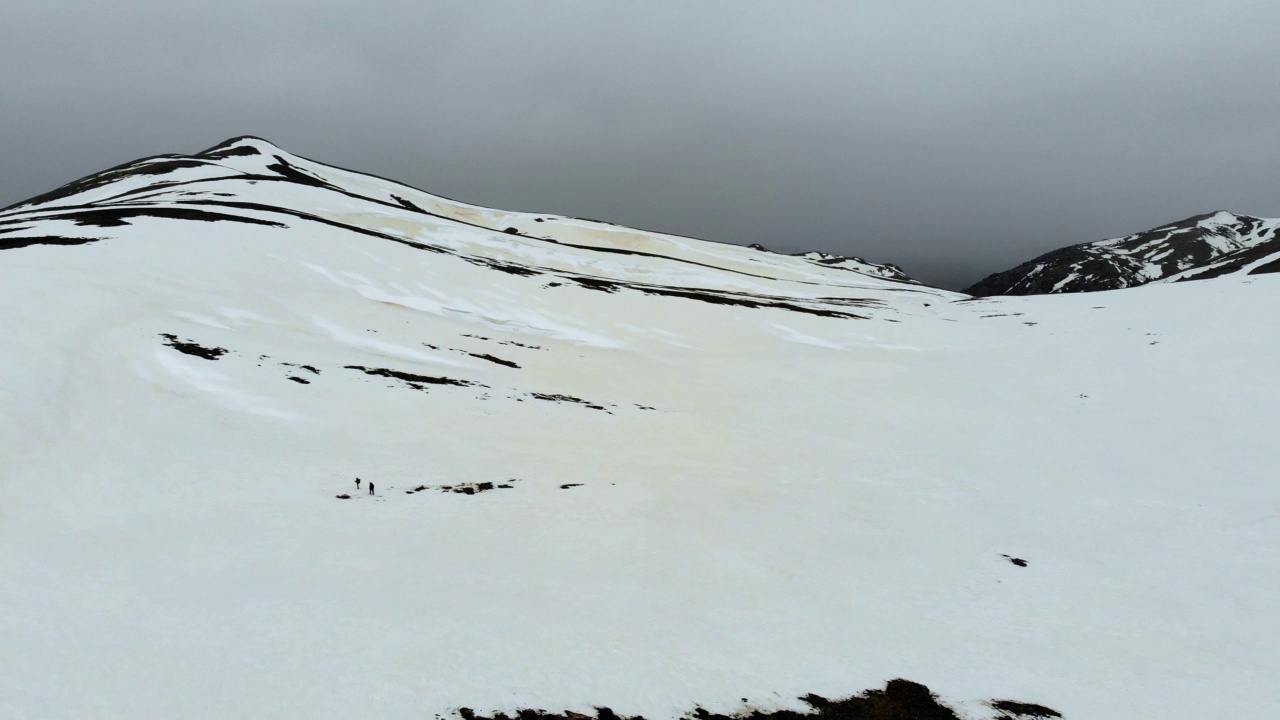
[(611, 468), (217, 185), (1198, 248)]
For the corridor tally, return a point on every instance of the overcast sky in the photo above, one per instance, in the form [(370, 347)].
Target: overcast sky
[(951, 138)]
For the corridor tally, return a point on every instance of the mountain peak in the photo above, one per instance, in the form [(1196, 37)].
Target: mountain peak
[(241, 145)]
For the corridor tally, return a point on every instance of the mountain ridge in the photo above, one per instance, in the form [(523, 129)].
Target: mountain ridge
[(286, 167), (1196, 248), (1199, 247)]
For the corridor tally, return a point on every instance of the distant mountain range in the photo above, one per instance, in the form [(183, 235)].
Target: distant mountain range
[(1198, 248)]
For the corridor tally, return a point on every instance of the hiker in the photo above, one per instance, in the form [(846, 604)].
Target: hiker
[(357, 483), (370, 487)]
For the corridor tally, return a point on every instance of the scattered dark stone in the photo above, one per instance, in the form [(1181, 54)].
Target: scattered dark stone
[(1016, 561), (414, 380), (1014, 709), (344, 496), (308, 368), (189, 348), (899, 700), (566, 486), (554, 284), (299, 380), (517, 344), (511, 231), (473, 488), (537, 219), (407, 205), (592, 283), (549, 397), (508, 268)]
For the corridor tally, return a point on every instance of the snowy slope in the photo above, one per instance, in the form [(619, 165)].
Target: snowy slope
[(732, 474), (1198, 248)]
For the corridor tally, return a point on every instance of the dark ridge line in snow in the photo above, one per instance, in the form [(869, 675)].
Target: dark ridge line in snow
[(552, 397), (1233, 261), (165, 186), (119, 215), (1271, 267), (259, 207), (899, 700), (412, 378), (445, 218), (106, 177), (229, 142), (21, 242), (718, 297), (495, 360), (745, 301), (722, 297), (242, 151), (295, 174), (1015, 709), (693, 294)]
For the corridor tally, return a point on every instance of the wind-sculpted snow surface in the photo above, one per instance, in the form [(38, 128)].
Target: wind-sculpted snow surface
[(1198, 248), (610, 469)]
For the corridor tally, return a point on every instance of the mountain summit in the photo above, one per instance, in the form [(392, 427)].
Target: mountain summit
[(285, 440)]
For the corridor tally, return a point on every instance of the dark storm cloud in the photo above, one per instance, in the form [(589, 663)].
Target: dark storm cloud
[(951, 138)]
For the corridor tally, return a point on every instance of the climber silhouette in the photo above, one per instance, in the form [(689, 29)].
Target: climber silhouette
[(370, 487), (357, 483)]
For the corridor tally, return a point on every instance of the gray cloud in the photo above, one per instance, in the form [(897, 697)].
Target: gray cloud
[(954, 139)]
